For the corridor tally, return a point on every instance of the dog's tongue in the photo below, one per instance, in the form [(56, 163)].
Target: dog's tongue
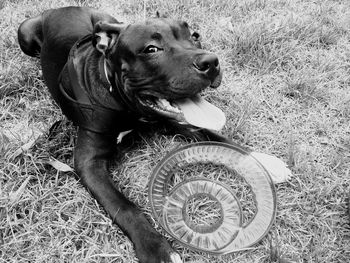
[(199, 112)]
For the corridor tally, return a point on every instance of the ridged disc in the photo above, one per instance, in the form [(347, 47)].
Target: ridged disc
[(228, 233)]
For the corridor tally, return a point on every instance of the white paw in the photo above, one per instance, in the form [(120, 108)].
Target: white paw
[(175, 258), (277, 169)]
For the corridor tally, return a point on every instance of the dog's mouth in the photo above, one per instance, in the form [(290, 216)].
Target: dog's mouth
[(184, 109), (194, 110)]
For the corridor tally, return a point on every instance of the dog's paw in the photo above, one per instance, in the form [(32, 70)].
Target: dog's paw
[(153, 248)]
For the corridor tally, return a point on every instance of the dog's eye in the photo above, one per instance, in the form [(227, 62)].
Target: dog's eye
[(151, 49)]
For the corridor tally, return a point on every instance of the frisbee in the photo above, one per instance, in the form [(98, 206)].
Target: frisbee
[(177, 191)]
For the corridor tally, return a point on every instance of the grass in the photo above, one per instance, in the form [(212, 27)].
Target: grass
[(219, 173), (285, 92)]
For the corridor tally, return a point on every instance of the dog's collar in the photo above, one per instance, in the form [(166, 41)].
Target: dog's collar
[(110, 77), (79, 107), (106, 74)]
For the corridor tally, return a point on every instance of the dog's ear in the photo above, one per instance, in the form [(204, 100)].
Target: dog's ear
[(196, 37), (105, 35), (161, 15)]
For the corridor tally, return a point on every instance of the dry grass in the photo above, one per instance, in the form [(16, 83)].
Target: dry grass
[(285, 92)]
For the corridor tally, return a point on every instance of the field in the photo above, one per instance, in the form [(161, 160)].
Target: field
[(285, 92)]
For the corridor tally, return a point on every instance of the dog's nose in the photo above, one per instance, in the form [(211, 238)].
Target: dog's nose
[(208, 64)]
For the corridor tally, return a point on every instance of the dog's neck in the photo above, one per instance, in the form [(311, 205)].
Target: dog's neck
[(115, 87)]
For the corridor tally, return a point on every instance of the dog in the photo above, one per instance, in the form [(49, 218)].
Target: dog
[(110, 78)]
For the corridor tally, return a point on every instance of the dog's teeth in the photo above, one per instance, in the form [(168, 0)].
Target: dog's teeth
[(175, 109), (163, 103)]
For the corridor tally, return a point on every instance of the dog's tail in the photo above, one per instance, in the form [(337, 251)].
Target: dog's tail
[(30, 36)]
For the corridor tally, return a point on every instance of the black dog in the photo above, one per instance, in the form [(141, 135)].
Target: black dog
[(108, 78)]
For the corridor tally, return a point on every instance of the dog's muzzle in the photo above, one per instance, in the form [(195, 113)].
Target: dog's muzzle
[(208, 66)]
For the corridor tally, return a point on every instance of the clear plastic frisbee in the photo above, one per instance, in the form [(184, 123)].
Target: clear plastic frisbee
[(206, 209)]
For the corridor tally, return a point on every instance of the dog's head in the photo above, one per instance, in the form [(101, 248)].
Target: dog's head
[(161, 67)]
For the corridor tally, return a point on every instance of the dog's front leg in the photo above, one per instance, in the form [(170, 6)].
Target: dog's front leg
[(91, 157)]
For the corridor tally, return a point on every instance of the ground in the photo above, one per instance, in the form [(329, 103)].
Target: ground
[(285, 92)]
